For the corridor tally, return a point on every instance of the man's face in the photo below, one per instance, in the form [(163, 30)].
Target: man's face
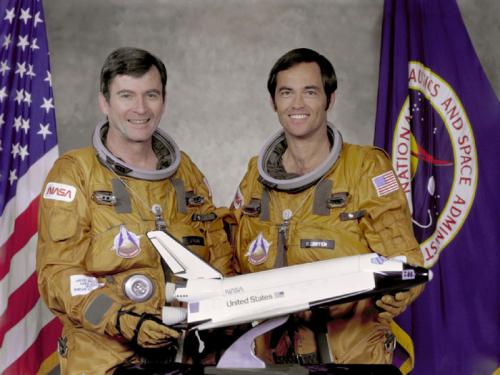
[(300, 100), (135, 106)]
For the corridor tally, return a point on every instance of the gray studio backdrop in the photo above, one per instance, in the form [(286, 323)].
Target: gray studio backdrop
[(218, 54)]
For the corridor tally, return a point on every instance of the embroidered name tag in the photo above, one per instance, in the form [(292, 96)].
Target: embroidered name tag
[(322, 244)]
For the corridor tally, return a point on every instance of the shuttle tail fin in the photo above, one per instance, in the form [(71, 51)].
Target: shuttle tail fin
[(181, 260)]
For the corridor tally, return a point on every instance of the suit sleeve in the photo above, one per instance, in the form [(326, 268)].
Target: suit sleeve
[(63, 241), (387, 223)]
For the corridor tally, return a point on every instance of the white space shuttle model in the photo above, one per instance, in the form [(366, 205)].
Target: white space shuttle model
[(215, 301)]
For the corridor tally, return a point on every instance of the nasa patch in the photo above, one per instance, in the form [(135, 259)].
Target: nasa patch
[(126, 244), (258, 250), (59, 192)]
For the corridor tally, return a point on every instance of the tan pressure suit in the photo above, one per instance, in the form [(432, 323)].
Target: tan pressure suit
[(342, 214), (92, 238)]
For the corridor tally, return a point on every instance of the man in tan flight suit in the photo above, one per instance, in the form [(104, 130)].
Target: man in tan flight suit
[(97, 270), (309, 196)]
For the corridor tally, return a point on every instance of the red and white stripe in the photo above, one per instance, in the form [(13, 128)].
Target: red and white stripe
[(28, 330)]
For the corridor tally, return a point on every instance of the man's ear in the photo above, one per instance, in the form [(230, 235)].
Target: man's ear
[(332, 101), (103, 103), (273, 104)]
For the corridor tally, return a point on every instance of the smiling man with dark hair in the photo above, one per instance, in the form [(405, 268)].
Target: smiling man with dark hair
[(309, 196), (97, 271)]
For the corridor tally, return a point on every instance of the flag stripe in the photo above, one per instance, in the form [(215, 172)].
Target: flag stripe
[(22, 336), (21, 301), (28, 189), (25, 228), (28, 362), (24, 265)]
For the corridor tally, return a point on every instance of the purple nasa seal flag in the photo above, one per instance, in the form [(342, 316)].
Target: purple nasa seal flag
[(435, 158), (437, 116)]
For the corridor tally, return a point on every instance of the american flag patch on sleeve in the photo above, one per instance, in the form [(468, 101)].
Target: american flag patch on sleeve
[(385, 183)]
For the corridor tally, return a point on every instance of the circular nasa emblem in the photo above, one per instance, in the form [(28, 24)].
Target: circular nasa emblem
[(258, 250), (435, 158), (126, 244)]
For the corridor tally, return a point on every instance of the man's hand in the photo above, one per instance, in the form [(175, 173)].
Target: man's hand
[(395, 305), (143, 329)]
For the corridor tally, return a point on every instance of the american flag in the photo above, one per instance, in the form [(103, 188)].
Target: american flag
[(385, 183), (28, 148)]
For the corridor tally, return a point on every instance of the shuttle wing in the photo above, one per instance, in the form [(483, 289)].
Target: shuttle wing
[(181, 261)]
